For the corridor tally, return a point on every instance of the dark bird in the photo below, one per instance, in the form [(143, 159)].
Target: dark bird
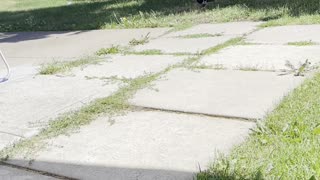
[(203, 3)]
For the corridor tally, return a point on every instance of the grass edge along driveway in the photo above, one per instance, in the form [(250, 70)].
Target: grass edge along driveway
[(284, 146)]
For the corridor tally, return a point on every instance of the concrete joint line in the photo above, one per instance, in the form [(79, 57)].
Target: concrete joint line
[(35, 171), (141, 108)]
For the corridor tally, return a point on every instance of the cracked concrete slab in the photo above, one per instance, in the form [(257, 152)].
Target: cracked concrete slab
[(232, 28), (129, 66), (18, 174), (28, 101), (263, 57), (28, 104), (34, 48), (228, 93), (181, 45), (140, 145), (286, 34)]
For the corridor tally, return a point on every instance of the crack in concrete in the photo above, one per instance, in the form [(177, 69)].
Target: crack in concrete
[(39, 172), (196, 113), (12, 134)]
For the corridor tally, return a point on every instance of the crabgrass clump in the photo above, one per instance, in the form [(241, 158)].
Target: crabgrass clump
[(143, 40), (106, 51)]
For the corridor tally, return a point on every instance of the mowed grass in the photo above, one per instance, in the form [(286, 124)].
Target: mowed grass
[(54, 15), (285, 146)]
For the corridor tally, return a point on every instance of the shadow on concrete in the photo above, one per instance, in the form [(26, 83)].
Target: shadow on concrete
[(87, 171), (25, 36), (96, 14)]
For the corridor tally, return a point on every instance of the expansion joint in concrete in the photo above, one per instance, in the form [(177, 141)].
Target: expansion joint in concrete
[(141, 108)]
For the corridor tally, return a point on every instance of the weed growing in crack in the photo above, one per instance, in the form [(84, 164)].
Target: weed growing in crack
[(64, 66), (143, 40), (106, 51), (203, 35), (300, 70)]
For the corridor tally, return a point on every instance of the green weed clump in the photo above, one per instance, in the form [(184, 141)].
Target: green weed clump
[(106, 51), (64, 66)]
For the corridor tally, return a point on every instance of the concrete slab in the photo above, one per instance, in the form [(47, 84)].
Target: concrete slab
[(130, 66), (26, 105), (286, 34), (263, 57), (180, 45), (141, 145), (222, 93), (232, 28), (7, 138), (18, 73), (28, 101), (8, 173), (25, 48)]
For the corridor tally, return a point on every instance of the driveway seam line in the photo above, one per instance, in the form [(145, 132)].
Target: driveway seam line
[(237, 118)]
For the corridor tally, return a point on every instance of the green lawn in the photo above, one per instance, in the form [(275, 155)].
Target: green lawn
[(285, 146), (54, 15)]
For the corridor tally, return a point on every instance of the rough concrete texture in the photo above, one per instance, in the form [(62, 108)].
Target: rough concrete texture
[(263, 57), (181, 45), (286, 34), (6, 138), (232, 28), (18, 73), (28, 101), (8, 173), (27, 104), (241, 94), (41, 47), (141, 145), (130, 66)]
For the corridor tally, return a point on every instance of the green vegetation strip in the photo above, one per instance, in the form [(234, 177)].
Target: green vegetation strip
[(284, 146), (64, 66), (146, 52), (57, 67), (196, 36), (231, 42), (305, 19), (303, 43), (58, 15)]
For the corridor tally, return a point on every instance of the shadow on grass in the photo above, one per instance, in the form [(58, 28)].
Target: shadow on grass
[(97, 14), (219, 174), (63, 170)]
